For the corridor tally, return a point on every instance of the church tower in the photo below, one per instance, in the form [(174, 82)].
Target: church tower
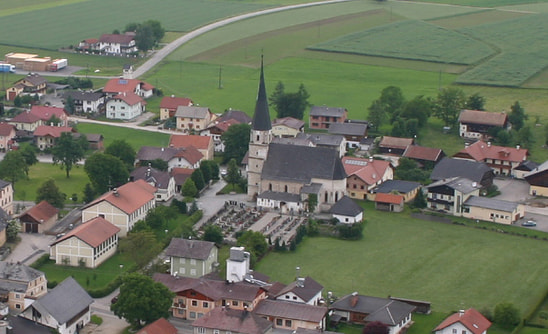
[(261, 136)]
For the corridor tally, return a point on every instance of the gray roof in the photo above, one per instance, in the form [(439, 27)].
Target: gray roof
[(346, 207), (280, 196), (327, 111), (149, 153), (20, 325), (382, 309), (16, 276), (84, 96), (321, 139), (290, 122), (527, 165), (490, 203), (448, 167), (192, 112), (232, 320), (392, 313), (189, 249), (261, 116), (313, 188), (348, 129), (289, 310), (305, 288), (302, 163), (4, 184), (541, 168), (403, 187), (236, 115), (158, 178), (64, 302), (461, 184)]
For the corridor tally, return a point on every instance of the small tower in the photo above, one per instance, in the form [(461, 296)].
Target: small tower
[(261, 136)]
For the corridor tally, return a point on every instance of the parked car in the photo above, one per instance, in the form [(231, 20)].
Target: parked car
[(529, 223), (114, 299)]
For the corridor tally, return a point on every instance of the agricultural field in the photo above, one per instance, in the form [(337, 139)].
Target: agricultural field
[(136, 138)]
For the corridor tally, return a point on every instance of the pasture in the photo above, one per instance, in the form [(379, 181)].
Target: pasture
[(452, 266), (136, 138)]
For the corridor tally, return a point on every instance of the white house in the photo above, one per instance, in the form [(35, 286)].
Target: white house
[(117, 43), (125, 106), (464, 322), (347, 211), (304, 290)]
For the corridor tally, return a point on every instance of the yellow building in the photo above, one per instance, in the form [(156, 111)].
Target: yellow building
[(493, 210), (20, 285)]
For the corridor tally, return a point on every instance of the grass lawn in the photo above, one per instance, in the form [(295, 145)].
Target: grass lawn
[(229, 188), (453, 267), (25, 190), (136, 138)]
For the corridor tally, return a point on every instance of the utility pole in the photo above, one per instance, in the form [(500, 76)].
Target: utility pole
[(220, 76)]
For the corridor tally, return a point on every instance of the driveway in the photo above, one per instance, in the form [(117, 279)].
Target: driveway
[(31, 247), (512, 190)]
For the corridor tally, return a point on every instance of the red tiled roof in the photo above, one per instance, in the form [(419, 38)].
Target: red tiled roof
[(172, 102), (481, 150), (389, 198), (190, 154), (224, 125), (471, 319), (199, 142), (124, 85), (6, 129), (129, 197), (231, 320), (53, 131), (483, 117), (422, 153), (130, 98), (160, 326), (368, 171), (93, 232), (289, 122), (395, 142), (41, 212), (91, 40), (25, 117), (116, 38), (45, 112)]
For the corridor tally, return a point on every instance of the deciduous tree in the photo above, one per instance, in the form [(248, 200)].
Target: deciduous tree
[(236, 140), (233, 173), (12, 167), (189, 188), (67, 152), (254, 242), (50, 193), (213, 233), (198, 179), (475, 102), (122, 150), (506, 315), (448, 105), (29, 154), (104, 171), (517, 116), (140, 246), (291, 104)]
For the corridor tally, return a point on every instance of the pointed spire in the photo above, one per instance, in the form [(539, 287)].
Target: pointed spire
[(261, 117)]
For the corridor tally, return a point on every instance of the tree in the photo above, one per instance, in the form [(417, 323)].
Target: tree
[(142, 300), (475, 102), (12, 167), (418, 108), (254, 242), (377, 114), (144, 38), (12, 230), (122, 150), (506, 315), (236, 140), (141, 247), (70, 107), (50, 193), (409, 170), (392, 101), (198, 179), (517, 116), (158, 164), (104, 171), (29, 154), (233, 173), (206, 167), (67, 152), (213, 233), (189, 188), (290, 104), (375, 327), (420, 200), (526, 137), (179, 205), (448, 105), (89, 194), (131, 27), (312, 202)]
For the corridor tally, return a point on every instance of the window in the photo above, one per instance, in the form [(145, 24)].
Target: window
[(288, 324), (235, 303), (215, 331), (193, 272), (182, 260), (279, 322), (463, 332), (17, 306), (193, 316), (454, 331), (286, 297), (294, 297), (194, 303), (200, 315), (201, 330), (205, 304)]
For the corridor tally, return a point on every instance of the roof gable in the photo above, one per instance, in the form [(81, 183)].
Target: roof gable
[(199, 142), (93, 232), (471, 319), (483, 117), (129, 197), (172, 102), (160, 326), (41, 212), (189, 248), (346, 207), (389, 198), (45, 113), (395, 142), (423, 153), (369, 171), (480, 151), (52, 131)]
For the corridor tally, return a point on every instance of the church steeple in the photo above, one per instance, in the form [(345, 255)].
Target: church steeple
[(261, 117)]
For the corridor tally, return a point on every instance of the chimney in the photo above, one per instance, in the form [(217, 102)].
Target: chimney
[(163, 149), (172, 96), (518, 147), (461, 313), (298, 272), (371, 159), (115, 191), (488, 144)]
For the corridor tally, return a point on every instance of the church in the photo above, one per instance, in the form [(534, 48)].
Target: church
[(285, 176)]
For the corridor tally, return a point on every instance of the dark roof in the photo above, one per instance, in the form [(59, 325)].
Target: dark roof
[(302, 163), (280, 196), (403, 187), (392, 313), (261, 117), (483, 117), (321, 139), (237, 115), (94, 137), (64, 302), (20, 325), (461, 184), (84, 96), (348, 129), (448, 168), (327, 111), (305, 288), (346, 207), (149, 153), (527, 165), (231, 320), (490, 203), (16, 276), (302, 330), (151, 175), (289, 310), (4, 184), (386, 310), (190, 249)]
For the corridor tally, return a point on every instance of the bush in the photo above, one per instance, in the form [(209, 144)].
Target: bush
[(96, 319), (506, 315), (350, 232), (40, 262)]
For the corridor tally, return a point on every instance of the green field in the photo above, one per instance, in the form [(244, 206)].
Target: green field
[(136, 138), (452, 266)]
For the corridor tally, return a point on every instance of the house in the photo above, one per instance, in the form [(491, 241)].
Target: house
[(407, 189), (119, 86), (31, 84), (503, 160), (20, 285), (477, 172), (216, 130), (394, 145), (160, 326), (123, 206), (336, 142), (118, 44), (86, 102), (192, 258), (287, 127), (525, 168), (321, 117), (389, 202), (347, 211), (187, 157), (88, 245), (364, 175), (180, 175), (354, 133), (47, 114), (304, 290), (66, 308), (39, 218), (95, 141), (169, 105), (464, 322), (448, 195), (475, 124), (125, 106), (355, 308), (162, 181), (425, 156), (20, 325), (26, 121), (7, 133), (127, 71), (204, 144), (493, 210), (46, 135), (6, 197), (290, 316), (538, 180), (90, 44), (193, 119), (227, 320), (236, 115)]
